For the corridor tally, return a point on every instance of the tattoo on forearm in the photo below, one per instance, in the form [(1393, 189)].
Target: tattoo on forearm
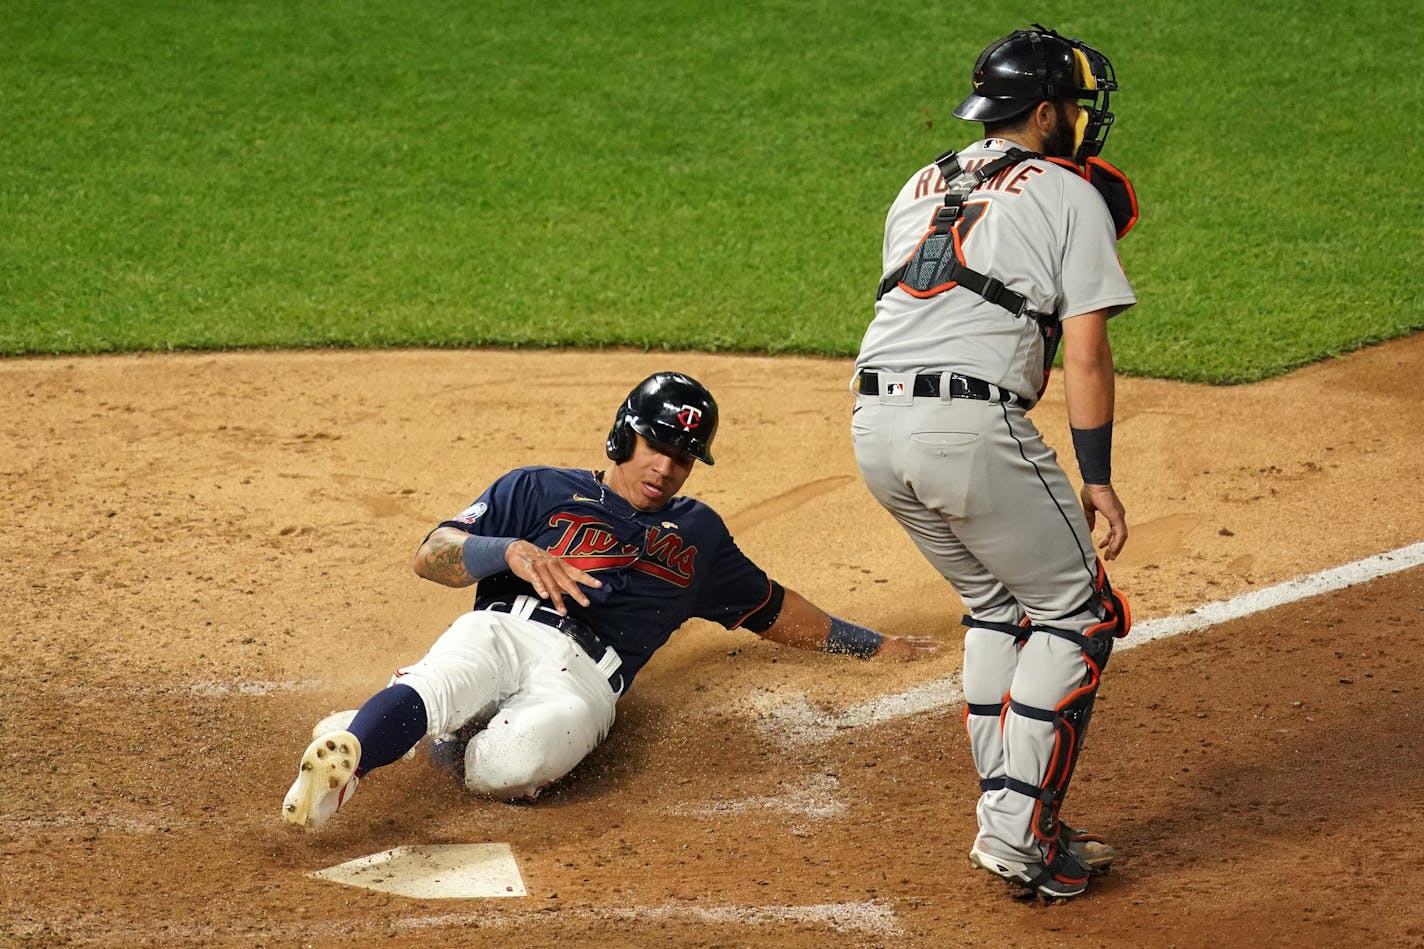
[(444, 564)]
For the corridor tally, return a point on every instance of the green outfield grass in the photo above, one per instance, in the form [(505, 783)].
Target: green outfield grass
[(666, 174)]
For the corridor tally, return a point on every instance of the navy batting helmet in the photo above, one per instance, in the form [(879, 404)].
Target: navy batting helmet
[(669, 409), (1017, 72)]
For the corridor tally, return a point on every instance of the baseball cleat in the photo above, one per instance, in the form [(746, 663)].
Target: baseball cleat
[(1065, 877), (326, 780), (1092, 851), (335, 722)]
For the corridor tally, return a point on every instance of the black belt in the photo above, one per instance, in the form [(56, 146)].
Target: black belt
[(590, 642), (927, 385)]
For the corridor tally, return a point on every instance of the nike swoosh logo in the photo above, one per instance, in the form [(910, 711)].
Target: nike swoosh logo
[(580, 497)]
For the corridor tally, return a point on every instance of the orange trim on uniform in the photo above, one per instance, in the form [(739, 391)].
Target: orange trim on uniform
[(1111, 183), (770, 588)]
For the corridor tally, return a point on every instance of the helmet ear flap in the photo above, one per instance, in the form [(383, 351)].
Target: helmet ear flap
[(620, 441)]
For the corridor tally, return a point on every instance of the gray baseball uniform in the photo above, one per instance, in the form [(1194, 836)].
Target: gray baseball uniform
[(970, 478)]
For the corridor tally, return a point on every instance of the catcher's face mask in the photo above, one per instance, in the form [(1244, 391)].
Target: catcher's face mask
[(1027, 67), (1094, 77)]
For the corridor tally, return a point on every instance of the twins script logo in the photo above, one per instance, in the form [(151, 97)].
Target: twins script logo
[(690, 416), (589, 544)]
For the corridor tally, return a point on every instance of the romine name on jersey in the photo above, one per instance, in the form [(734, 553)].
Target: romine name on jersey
[(1008, 181)]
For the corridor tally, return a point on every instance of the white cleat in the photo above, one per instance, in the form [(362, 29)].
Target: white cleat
[(335, 722), (327, 779)]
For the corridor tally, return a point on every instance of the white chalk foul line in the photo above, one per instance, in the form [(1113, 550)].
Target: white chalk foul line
[(211, 689), (1300, 588), (817, 798), (865, 917), (795, 721), (870, 916)]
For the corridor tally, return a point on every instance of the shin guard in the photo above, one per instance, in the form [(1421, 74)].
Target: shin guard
[(1071, 716), (989, 661)]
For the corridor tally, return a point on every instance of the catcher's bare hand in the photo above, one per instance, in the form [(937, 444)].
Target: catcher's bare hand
[(552, 578), (1102, 499), (901, 648)]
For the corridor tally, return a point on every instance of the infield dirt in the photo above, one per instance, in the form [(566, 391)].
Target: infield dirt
[(208, 552)]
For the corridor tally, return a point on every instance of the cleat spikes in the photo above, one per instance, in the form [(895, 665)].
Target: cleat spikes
[(327, 777)]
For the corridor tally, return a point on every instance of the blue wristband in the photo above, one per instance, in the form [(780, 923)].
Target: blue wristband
[(484, 556), (848, 639)]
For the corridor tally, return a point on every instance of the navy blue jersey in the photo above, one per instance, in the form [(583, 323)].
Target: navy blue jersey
[(658, 568)]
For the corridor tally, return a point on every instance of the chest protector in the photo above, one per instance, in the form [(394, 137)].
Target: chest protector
[(937, 263)]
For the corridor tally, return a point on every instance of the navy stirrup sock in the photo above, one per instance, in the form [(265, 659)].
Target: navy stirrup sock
[(390, 723)]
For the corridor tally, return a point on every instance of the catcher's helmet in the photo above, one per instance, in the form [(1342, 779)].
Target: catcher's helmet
[(667, 408), (1017, 72)]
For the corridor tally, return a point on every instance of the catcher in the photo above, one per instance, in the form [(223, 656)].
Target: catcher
[(992, 257)]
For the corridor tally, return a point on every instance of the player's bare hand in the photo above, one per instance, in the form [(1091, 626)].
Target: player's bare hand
[(552, 578), (901, 648), (1102, 499)]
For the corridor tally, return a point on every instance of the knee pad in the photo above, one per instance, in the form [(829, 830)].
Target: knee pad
[(1111, 620), (1115, 616)]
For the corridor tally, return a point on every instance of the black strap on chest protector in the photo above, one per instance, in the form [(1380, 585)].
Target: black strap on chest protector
[(935, 262)]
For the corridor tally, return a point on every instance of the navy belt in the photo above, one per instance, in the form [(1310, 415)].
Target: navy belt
[(928, 386)]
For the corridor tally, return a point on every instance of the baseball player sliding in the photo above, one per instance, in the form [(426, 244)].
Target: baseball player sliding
[(992, 257), (582, 576)]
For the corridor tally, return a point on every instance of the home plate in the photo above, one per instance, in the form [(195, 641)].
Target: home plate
[(434, 872)]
